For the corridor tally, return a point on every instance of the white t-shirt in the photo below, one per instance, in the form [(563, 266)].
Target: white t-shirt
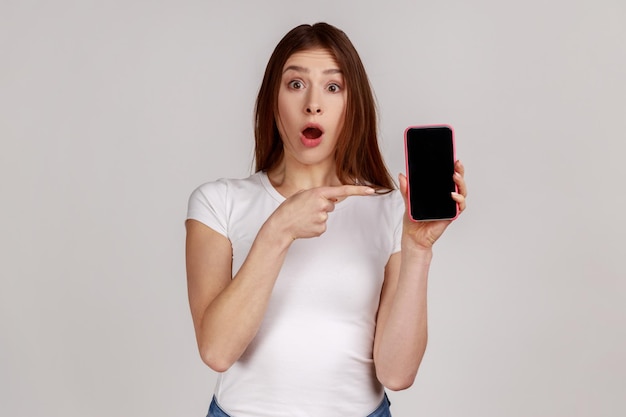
[(313, 354)]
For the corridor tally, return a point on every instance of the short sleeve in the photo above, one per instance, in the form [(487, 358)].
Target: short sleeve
[(399, 210), (207, 204)]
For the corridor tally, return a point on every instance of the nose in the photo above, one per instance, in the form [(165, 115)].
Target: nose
[(313, 105), (314, 109)]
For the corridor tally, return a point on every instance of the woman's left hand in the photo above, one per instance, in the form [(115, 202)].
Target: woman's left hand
[(424, 234)]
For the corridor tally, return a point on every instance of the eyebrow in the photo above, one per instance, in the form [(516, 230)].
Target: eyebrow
[(298, 68)]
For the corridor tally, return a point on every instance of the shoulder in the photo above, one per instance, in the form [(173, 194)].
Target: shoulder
[(390, 202), (385, 209), (224, 194), (392, 197), (220, 203), (223, 187), (394, 207)]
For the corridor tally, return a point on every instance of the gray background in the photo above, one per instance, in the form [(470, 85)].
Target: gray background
[(112, 112)]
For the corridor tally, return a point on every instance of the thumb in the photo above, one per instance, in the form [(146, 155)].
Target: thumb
[(403, 182)]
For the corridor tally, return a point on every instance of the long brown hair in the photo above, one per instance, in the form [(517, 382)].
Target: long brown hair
[(357, 157)]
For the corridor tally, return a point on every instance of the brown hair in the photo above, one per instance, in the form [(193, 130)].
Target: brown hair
[(358, 158)]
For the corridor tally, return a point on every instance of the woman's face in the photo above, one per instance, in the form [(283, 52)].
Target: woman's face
[(311, 107)]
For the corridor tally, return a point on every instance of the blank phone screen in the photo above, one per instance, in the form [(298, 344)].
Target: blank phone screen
[(430, 164)]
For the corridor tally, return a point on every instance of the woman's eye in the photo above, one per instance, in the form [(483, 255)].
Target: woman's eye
[(295, 84), (334, 88)]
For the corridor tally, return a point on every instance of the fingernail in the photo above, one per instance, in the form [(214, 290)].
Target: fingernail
[(370, 190)]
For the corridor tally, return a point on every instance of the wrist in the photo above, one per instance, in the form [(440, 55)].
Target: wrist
[(275, 234), (416, 252)]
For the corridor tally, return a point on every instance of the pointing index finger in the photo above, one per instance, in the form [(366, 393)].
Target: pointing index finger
[(342, 191)]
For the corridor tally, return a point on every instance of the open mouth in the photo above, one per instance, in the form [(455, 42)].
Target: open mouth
[(312, 133)]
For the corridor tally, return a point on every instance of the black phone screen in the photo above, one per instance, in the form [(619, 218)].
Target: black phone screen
[(430, 165)]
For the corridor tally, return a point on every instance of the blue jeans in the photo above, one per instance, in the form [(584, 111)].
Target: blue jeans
[(381, 411)]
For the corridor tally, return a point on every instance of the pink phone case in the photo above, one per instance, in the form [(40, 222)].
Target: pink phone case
[(406, 161)]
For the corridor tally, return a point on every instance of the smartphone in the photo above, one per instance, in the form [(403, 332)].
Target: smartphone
[(430, 156)]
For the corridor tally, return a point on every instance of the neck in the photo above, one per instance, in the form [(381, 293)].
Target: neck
[(289, 179)]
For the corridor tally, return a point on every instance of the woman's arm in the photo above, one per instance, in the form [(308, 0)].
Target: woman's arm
[(227, 312), (401, 326)]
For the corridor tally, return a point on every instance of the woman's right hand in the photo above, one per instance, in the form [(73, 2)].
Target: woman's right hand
[(218, 299), (304, 214)]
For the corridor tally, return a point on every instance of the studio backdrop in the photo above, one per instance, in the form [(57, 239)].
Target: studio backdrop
[(112, 112)]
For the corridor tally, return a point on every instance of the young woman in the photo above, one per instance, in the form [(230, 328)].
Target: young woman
[(307, 281)]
